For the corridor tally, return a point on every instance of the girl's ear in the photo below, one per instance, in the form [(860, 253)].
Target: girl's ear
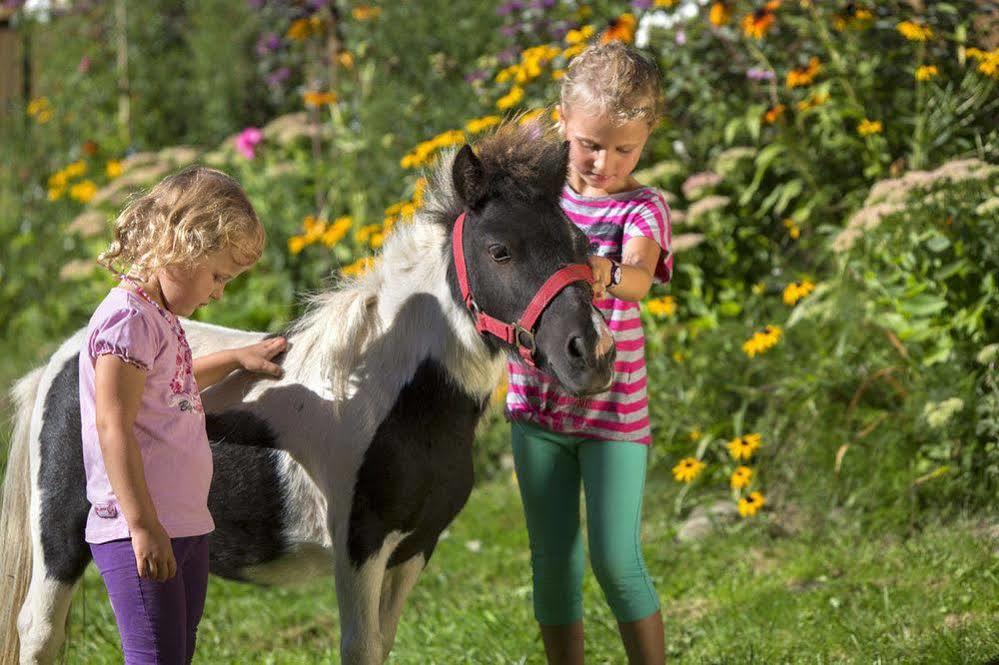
[(468, 177)]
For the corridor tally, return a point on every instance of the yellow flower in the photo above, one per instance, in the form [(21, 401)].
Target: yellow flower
[(988, 61), (346, 59), (418, 189), (750, 505), (621, 29), (695, 434), (796, 291), (792, 228), (688, 469), (55, 193), (114, 169), (573, 51), (76, 169), (762, 341), (914, 32), (358, 267), (661, 307), (316, 98), (511, 98), (530, 116), (579, 36), (558, 74), (40, 109), (296, 244), (481, 124), (720, 14), (741, 477), (802, 76), (665, 3), (926, 72), (58, 180), (83, 191), (336, 231), (868, 127), (744, 447), (814, 100), (365, 12)]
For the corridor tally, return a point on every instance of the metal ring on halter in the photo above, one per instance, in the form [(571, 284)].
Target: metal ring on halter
[(522, 334)]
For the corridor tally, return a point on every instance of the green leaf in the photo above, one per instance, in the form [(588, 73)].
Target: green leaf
[(763, 161)]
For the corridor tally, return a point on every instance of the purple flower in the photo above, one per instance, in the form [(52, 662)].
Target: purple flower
[(256, 4), (248, 140), (641, 4), (477, 75), (757, 74), (318, 4), (510, 31), (542, 4), (509, 7), (84, 65), (558, 31), (268, 43), (508, 56), (278, 76)]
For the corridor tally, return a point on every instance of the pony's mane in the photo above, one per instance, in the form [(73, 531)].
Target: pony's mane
[(339, 323)]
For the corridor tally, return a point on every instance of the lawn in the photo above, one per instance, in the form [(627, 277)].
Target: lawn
[(750, 593)]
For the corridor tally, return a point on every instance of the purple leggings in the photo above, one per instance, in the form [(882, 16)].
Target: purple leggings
[(157, 621)]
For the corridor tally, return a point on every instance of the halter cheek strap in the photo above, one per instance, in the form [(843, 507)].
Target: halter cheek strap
[(521, 332)]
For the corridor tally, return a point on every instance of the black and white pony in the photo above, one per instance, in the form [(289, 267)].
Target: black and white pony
[(360, 456)]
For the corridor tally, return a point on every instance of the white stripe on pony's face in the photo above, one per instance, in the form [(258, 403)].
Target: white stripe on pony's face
[(605, 339)]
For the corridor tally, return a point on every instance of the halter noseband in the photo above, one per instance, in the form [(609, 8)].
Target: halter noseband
[(521, 332)]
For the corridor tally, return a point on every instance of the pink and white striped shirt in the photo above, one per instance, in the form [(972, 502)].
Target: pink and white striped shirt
[(621, 413)]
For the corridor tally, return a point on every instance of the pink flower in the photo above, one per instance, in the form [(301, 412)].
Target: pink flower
[(248, 140)]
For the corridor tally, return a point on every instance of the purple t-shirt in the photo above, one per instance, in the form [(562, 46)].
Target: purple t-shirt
[(169, 427)]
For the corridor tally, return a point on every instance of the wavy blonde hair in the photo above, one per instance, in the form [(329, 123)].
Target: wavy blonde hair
[(182, 219), (615, 79)]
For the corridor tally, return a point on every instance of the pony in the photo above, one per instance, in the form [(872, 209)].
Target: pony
[(360, 456)]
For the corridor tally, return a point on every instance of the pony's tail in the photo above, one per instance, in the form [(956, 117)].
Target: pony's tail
[(15, 529)]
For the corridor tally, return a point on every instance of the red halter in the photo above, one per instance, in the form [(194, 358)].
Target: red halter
[(521, 332)]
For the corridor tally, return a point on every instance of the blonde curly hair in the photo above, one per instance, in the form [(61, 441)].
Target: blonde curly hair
[(615, 79), (182, 219)]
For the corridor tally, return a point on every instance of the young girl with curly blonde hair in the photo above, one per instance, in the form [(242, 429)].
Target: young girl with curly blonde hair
[(145, 448)]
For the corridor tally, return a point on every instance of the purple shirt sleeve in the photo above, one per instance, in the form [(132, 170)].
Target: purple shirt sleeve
[(652, 220), (126, 334)]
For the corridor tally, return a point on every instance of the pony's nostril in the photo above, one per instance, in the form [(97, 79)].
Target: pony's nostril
[(577, 349)]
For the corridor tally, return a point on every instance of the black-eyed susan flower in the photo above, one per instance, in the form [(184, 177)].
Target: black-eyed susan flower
[(83, 191), (759, 22), (358, 267), (510, 99), (365, 12), (868, 127), (774, 113), (802, 76), (317, 98), (40, 109), (720, 14), (750, 505), (477, 125), (688, 469), (621, 29), (762, 341), (817, 99), (741, 477), (795, 291), (743, 447), (113, 169), (915, 32)]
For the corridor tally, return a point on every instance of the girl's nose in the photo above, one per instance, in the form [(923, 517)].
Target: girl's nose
[(600, 160)]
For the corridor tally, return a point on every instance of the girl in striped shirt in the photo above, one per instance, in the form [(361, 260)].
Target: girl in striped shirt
[(611, 98)]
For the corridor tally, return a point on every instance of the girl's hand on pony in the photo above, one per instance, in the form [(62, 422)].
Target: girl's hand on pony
[(257, 357)]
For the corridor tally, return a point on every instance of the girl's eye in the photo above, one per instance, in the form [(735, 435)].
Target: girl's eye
[(625, 151)]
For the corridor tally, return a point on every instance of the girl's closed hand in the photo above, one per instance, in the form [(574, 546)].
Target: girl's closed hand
[(601, 275), (154, 557), (257, 357)]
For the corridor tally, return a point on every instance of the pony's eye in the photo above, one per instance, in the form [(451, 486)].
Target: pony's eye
[(499, 253)]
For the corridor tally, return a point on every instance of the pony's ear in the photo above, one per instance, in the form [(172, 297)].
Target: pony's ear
[(469, 177), (552, 179)]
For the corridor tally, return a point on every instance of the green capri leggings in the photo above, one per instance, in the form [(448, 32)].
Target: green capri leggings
[(550, 468)]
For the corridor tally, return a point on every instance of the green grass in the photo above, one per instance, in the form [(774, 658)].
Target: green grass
[(743, 595)]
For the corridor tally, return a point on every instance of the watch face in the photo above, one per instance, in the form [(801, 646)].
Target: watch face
[(616, 274)]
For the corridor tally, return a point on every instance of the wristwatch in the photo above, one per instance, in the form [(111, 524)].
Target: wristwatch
[(615, 273)]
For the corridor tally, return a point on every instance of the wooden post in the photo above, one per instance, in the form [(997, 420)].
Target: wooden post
[(121, 65), (10, 63)]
